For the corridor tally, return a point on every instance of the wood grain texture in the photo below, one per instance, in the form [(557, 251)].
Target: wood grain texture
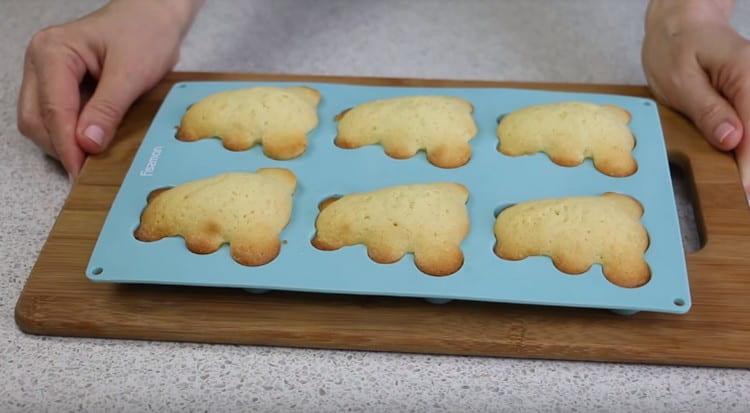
[(59, 300)]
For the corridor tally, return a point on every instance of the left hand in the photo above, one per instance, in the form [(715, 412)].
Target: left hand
[(697, 63)]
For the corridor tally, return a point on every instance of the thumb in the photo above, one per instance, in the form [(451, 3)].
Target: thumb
[(710, 112), (101, 115)]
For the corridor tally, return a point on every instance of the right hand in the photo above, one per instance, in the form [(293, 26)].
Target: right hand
[(127, 46), (697, 63)]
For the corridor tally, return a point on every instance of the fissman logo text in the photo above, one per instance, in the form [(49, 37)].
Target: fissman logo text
[(151, 164)]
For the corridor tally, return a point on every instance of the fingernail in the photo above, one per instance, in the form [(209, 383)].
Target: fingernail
[(723, 131), (95, 134)]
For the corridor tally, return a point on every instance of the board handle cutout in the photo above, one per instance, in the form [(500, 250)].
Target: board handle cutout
[(692, 224)]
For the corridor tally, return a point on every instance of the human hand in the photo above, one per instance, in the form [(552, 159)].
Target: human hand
[(127, 46), (697, 63)]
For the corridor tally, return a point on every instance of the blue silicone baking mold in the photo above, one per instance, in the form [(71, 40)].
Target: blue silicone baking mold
[(494, 181)]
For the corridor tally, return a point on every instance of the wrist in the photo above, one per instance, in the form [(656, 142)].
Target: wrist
[(675, 15), (184, 11), (176, 14)]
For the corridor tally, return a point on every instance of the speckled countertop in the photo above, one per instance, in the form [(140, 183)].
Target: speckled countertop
[(575, 41)]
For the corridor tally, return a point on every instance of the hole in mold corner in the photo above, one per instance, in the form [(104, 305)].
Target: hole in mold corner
[(647, 103), (692, 226), (679, 302), (182, 86), (97, 271), (500, 118)]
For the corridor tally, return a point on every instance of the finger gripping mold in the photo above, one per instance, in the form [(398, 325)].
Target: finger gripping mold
[(577, 232), (569, 132), (277, 118), (442, 126), (244, 209), (428, 220)]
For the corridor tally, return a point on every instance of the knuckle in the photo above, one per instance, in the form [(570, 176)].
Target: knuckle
[(675, 79), (106, 109), (684, 70), (743, 84), (680, 77), (24, 128), (26, 123), (738, 85), (709, 111), (50, 112), (43, 38)]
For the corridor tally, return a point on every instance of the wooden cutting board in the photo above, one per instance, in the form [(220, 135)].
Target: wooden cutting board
[(59, 300)]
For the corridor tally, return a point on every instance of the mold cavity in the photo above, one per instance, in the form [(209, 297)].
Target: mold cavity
[(563, 271), (338, 144), (500, 209), (341, 114), (679, 302), (151, 196), (97, 271), (328, 201), (688, 210), (500, 118)]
